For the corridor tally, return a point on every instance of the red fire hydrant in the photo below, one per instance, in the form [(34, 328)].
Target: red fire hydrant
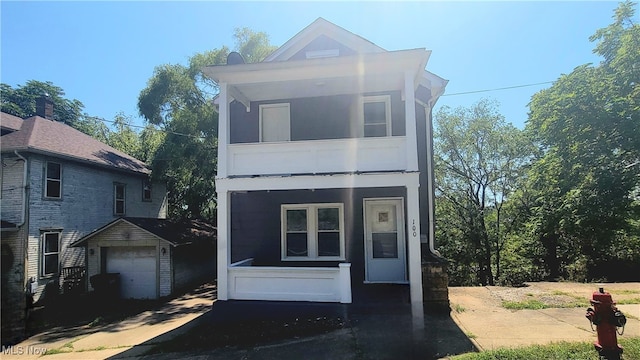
[(607, 318)]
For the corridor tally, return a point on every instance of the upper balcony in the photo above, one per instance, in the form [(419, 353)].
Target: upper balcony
[(330, 115)]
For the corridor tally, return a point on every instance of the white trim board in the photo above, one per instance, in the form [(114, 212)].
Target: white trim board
[(337, 181)]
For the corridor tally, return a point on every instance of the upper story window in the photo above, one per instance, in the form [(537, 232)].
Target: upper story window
[(50, 251), (146, 190), (376, 115), (313, 232), (53, 180), (119, 197), (275, 122)]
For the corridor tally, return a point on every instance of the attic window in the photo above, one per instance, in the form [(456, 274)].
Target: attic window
[(322, 53)]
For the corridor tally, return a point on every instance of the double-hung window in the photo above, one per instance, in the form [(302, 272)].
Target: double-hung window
[(376, 115), (50, 251), (119, 198), (275, 122), (146, 190), (313, 232), (53, 180)]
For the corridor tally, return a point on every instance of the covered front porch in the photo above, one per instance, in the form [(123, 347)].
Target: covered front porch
[(255, 264)]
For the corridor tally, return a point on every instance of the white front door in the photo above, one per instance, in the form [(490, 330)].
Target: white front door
[(385, 241)]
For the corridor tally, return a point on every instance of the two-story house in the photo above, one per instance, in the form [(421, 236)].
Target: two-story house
[(58, 185), (324, 176)]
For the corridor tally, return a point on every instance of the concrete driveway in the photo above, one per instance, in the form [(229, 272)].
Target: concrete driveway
[(478, 312), (109, 340)]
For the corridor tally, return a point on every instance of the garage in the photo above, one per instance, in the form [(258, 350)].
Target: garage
[(137, 268), (153, 258)]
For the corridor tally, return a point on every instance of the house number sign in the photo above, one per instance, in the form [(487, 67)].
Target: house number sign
[(413, 228)]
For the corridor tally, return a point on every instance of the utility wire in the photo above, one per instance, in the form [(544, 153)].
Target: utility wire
[(143, 127), (454, 94), (498, 89)]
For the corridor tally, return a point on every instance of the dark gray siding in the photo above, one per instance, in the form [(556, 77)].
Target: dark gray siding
[(326, 117), (421, 129), (255, 223), (193, 264)]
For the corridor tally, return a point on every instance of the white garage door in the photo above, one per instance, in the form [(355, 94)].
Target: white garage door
[(137, 268)]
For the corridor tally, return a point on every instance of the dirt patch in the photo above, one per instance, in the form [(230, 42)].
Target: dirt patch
[(561, 294)]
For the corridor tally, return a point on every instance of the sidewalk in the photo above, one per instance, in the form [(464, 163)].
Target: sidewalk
[(112, 339), (490, 326)]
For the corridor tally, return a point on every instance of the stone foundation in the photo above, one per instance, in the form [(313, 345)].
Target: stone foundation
[(435, 284)]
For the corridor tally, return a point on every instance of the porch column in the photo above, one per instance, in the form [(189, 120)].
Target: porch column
[(413, 241), (224, 241), (410, 121), (223, 130)]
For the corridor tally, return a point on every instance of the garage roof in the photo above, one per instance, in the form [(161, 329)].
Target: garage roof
[(176, 232)]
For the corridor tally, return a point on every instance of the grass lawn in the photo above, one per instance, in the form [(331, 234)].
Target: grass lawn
[(556, 351)]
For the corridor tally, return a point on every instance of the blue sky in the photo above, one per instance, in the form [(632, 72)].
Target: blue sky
[(103, 53)]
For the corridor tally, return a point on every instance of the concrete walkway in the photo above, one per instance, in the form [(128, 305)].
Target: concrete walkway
[(478, 312), (108, 341)]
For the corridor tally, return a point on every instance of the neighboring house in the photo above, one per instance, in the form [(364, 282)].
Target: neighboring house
[(58, 185), (154, 257), (324, 169)]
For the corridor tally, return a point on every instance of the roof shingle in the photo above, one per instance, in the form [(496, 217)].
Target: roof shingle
[(54, 138), (11, 122)]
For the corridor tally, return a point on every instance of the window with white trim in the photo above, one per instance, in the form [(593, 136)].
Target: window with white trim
[(146, 190), (313, 232), (376, 115), (50, 251), (53, 180), (119, 198), (275, 122)]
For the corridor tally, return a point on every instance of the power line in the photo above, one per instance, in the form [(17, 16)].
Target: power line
[(497, 89), (454, 94), (143, 127)]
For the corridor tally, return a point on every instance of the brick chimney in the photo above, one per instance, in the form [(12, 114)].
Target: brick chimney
[(44, 107)]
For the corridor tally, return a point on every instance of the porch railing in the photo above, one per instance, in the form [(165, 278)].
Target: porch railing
[(322, 284)]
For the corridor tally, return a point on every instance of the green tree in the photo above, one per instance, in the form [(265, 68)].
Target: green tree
[(587, 125), (142, 145), (21, 102), (478, 157), (179, 99)]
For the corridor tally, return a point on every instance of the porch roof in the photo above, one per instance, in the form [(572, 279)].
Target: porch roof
[(320, 77)]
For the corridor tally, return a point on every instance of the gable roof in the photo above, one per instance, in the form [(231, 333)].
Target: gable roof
[(175, 232), (54, 138), (319, 28), (10, 122)]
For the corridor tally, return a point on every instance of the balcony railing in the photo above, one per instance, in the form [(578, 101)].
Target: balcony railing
[(318, 156)]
